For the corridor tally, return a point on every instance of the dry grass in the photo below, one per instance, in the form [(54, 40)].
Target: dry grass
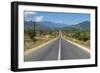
[(29, 44), (85, 44)]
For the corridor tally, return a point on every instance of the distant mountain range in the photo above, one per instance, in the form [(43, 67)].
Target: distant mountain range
[(43, 25), (47, 26), (82, 26), (38, 26), (53, 25)]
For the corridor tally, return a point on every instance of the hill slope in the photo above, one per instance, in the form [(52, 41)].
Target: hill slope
[(82, 26), (38, 26)]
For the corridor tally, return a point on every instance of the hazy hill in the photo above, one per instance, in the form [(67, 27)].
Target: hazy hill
[(46, 25), (53, 25), (38, 26), (82, 26)]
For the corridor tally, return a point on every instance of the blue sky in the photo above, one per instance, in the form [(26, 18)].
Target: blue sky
[(57, 17)]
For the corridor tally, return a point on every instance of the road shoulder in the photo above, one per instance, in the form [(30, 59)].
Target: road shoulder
[(38, 47), (80, 46)]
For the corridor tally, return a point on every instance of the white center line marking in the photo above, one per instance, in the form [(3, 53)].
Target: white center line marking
[(59, 50)]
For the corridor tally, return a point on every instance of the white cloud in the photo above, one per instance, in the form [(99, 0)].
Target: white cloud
[(29, 13), (38, 18), (31, 16)]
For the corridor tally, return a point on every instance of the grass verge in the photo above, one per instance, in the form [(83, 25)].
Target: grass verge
[(85, 44), (29, 43)]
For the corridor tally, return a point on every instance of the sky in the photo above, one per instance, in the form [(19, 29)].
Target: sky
[(56, 17)]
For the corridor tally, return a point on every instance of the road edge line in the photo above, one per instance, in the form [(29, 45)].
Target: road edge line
[(82, 47), (36, 48)]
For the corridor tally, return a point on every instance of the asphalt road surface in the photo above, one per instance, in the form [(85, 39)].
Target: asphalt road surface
[(59, 49)]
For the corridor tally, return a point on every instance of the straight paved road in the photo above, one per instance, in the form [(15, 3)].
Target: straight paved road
[(70, 51), (48, 52), (59, 49)]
